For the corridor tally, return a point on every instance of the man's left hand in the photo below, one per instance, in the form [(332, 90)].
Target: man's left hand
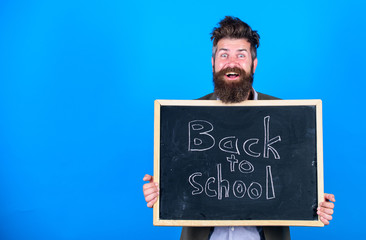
[(326, 208)]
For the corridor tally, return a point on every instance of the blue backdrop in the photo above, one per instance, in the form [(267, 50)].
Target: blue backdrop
[(77, 85)]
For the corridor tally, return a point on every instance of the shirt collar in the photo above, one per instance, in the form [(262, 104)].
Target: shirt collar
[(255, 94)]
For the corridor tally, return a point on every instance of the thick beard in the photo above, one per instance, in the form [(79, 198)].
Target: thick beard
[(233, 91)]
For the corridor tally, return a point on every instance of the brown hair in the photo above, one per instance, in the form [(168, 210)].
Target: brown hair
[(233, 27)]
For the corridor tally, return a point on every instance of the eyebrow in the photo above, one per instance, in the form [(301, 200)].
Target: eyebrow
[(223, 49), (239, 50)]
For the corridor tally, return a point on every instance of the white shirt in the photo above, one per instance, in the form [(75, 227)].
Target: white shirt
[(235, 233)]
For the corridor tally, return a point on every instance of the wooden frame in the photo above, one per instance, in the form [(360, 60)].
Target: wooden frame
[(319, 137)]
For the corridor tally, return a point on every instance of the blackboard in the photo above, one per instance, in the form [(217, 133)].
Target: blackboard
[(253, 163)]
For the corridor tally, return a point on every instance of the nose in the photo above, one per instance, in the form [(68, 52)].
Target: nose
[(232, 62)]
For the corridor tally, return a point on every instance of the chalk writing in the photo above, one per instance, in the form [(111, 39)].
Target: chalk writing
[(247, 148), (270, 193), (227, 145), (268, 142), (201, 138), (239, 188), (232, 160)]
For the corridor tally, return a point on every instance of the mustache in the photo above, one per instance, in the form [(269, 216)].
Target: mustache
[(231, 70)]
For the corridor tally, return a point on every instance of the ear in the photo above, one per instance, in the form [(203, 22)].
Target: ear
[(213, 64), (255, 62)]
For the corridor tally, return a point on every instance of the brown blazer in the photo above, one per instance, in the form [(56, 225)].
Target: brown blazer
[(203, 233)]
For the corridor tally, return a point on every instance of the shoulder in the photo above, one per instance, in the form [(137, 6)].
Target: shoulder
[(262, 96), (211, 96)]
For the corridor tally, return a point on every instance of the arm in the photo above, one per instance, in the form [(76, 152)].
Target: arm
[(151, 190), (325, 209)]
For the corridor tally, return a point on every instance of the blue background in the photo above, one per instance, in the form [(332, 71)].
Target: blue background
[(77, 85)]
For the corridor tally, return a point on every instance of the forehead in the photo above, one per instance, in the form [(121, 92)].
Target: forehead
[(233, 44)]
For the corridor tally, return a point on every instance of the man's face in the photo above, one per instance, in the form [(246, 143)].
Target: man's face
[(233, 53), (233, 70)]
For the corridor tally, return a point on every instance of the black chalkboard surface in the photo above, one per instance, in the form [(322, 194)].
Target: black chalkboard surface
[(253, 163)]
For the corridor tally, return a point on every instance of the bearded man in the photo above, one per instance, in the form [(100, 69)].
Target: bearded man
[(234, 60)]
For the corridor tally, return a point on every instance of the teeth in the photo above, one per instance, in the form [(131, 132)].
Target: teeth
[(230, 74)]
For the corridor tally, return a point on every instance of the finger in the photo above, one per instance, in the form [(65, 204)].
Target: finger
[(149, 185), (329, 197), (327, 205), (324, 221), (152, 202), (325, 216), (326, 210), (150, 191), (148, 177), (151, 197)]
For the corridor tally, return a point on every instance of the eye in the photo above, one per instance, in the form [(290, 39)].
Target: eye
[(224, 55), (241, 56)]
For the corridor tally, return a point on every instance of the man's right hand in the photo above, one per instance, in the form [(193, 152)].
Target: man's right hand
[(151, 190)]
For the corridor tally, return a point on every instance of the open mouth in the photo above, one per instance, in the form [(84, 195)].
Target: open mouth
[(232, 75)]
